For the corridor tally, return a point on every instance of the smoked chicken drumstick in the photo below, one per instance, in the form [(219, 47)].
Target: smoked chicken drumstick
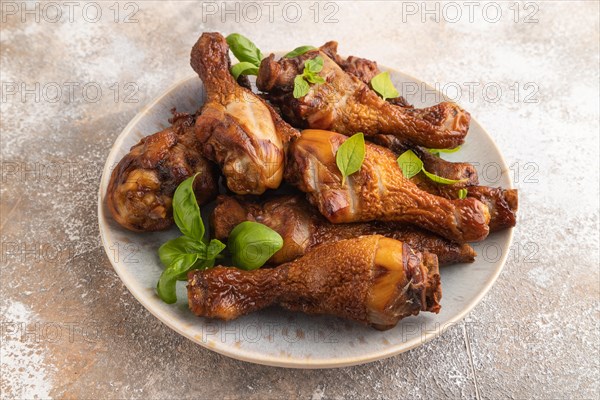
[(141, 187), (378, 191), (345, 104), (502, 203), (370, 279), (302, 228), (237, 129)]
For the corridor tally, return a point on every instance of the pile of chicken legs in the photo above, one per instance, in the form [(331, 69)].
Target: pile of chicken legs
[(366, 247)]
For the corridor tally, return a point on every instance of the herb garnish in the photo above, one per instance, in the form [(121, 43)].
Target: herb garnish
[(298, 51), (382, 84), (309, 75), (243, 68), (252, 244), (187, 252), (350, 155), (246, 52), (411, 165), (438, 151)]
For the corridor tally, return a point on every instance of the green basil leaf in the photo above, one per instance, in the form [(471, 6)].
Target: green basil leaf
[(166, 286), (186, 211), (243, 49), (176, 248), (199, 264), (382, 84), (214, 248), (243, 68), (462, 193), (298, 51), (301, 87), (183, 255), (252, 244), (310, 74), (314, 78), (441, 179), (313, 66), (438, 151), (350, 155), (410, 164), (202, 265)]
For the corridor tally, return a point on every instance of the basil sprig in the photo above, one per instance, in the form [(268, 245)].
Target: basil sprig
[(187, 252), (382, 84), (246, 52), (437, 152), (243, 68), (462, 193), (350, 155), (309, 75), (298, 51), (252, 244), (411, 165), (243, 49), (186, 211)]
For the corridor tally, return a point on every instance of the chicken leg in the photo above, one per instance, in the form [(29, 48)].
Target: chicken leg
[(237, 129), (370, 279), (141, 187), (302, 228), (502, 203), (347, 105), (378, 192)]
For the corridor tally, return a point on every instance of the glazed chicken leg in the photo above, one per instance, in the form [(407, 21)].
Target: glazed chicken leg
[(370, 279), (361, 68), (347, 105), (502, 203), (378, 192), (142, 185), (460, 171), (237, 129), (303, 228)]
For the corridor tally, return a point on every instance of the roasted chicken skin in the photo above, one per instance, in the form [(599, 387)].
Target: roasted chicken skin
[(237, 129), (303, 228), (347, 105), (461, 171), (363, 69), (370, 279), (378, 192), (142, 185), (502, 203)]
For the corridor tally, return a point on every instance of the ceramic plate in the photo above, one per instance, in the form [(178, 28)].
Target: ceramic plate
[(280, 338)]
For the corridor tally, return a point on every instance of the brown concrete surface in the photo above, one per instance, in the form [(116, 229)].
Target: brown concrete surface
[(70, 329)]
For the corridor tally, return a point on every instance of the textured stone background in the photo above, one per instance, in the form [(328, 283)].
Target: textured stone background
[(71, 329)]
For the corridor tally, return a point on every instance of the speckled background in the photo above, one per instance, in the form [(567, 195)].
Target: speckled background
[(529, 72)]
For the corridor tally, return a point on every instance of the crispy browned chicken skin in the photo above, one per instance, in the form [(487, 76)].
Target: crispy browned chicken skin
[(303, 228), (370, 279), (142, 185), (237, 129), (361, 68), (461, 171), (378, 192), (502, 203), (345, 104)]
